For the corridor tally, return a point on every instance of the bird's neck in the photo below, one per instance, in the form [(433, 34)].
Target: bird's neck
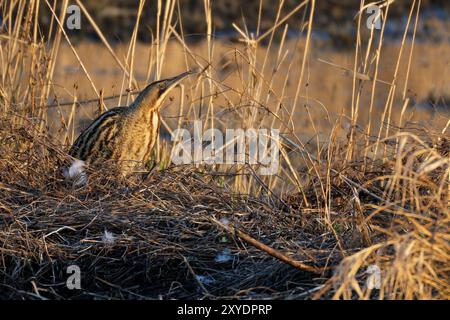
[(145, 106), (145, 101)]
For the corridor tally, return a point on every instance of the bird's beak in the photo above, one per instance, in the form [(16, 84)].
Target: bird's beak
[(168, 84)]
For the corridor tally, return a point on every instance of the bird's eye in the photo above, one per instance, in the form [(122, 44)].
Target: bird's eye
[(162, 85)]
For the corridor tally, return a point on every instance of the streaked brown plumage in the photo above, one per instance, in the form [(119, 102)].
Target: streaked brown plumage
[(126, 135)]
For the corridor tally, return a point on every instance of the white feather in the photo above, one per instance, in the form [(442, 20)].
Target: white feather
[(225, 256), (76, 172), (205, 279), (108, 237)]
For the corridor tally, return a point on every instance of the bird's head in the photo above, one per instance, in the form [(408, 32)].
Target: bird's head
[(152, 97)]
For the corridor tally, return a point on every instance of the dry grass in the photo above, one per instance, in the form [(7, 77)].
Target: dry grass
[(359, 183)]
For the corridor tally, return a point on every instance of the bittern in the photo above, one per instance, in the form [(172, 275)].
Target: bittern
[(125, 135)]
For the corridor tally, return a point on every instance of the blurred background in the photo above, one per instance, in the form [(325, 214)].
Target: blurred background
[(334, 19), (329, 89)]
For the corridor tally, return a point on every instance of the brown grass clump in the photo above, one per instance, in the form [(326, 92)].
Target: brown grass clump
[(166, 243), (359, 209), (168, 247), (414, 225)]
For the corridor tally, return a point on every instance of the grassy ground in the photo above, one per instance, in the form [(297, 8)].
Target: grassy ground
[(363, 180)]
